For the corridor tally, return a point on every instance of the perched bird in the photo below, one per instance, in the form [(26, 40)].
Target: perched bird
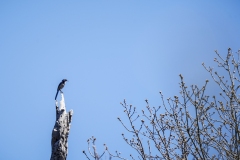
[(60, 86)]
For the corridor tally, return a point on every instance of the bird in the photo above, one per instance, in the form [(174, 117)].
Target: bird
[(60, 86)]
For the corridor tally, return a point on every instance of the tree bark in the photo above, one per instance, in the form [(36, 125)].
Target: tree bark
[(60, 132)]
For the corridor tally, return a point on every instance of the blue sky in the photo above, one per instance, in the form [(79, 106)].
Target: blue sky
[(108, 50)]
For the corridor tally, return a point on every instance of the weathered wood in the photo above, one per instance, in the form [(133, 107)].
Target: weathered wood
[(61, 131)]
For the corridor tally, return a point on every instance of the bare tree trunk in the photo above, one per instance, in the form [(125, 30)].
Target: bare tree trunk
[(61, 131)]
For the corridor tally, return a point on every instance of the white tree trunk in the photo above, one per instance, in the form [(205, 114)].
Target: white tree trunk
[(61, 131)]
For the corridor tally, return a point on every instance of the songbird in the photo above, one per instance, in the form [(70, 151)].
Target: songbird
[(60, 86)]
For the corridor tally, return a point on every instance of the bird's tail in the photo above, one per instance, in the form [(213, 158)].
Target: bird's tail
[(56, 95)]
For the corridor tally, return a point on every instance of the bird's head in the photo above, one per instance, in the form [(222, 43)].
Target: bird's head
[(64, 80)]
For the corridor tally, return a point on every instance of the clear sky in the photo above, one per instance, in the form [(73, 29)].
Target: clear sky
[(108, 50)]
